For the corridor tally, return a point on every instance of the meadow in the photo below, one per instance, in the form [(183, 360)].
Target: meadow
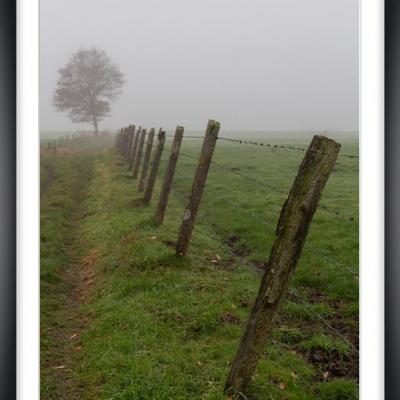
[(123, 318)]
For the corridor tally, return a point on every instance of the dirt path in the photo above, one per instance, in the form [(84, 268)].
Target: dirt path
[(77, 281), (80, 278)]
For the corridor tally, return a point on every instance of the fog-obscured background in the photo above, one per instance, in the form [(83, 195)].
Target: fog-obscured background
[(266, 65)]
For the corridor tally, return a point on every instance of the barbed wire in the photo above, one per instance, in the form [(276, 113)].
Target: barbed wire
[(256, 218), (316, 252), (291, 291), (266, 144), (249, 264), (246, 262), (279, 146), (186, 136), (265, 186), (294, 293)]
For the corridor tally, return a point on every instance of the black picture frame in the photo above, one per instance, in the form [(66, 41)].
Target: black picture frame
[(8, 134), (392, 198)]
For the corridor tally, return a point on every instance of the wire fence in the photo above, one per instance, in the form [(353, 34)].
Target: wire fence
[(245, 262), (234, 200), (263, 144), (257, 219), (267, 186)]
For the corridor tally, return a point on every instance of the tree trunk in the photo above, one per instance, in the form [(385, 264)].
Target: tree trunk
[(96, 128)]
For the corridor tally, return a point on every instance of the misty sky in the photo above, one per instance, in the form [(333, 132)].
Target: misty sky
[(252, 65)]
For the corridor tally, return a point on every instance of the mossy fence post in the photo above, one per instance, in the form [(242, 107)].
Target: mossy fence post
[(125, 140), (131, 130), (146, 161), (200, 177), (169, 176), (139, 154), (134, 148), (291, 232), (154, 168), (122, 142), (125, 143)]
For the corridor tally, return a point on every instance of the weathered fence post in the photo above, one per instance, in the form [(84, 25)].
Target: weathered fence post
[(134, 148), (154, 168), (127, 142), (169, 176), (189, 217), (146, 160), (131, 133), (127, 132), (139, 154), (291, 232), (125, 139)]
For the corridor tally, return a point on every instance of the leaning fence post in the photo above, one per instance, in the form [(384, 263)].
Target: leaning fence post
[(139, 154), (131, 133), (291, 232), (169, 176), (134, 148), (189, 217), (146, 160), (127, 142), (154, 168)]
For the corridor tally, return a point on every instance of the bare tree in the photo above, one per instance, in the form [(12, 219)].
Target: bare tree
[(87, 85)]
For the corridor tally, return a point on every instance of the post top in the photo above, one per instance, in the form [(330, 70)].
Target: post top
[(213, 122), (322, 140), (161, 134)]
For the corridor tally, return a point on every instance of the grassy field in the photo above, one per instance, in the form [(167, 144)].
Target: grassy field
[(123, 318)]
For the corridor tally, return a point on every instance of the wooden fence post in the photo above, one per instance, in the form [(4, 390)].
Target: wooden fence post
[(291, 232), (189, 217), (139, 154), (131, 134), (169, 176), (154, 168), (127, 144), (146, 160), (134, 148), (125, 139)]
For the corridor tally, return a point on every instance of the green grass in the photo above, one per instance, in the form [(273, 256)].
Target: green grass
[(168, 328), (63, 184)]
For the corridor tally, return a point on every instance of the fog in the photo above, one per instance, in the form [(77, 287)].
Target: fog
[(270, 65)]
